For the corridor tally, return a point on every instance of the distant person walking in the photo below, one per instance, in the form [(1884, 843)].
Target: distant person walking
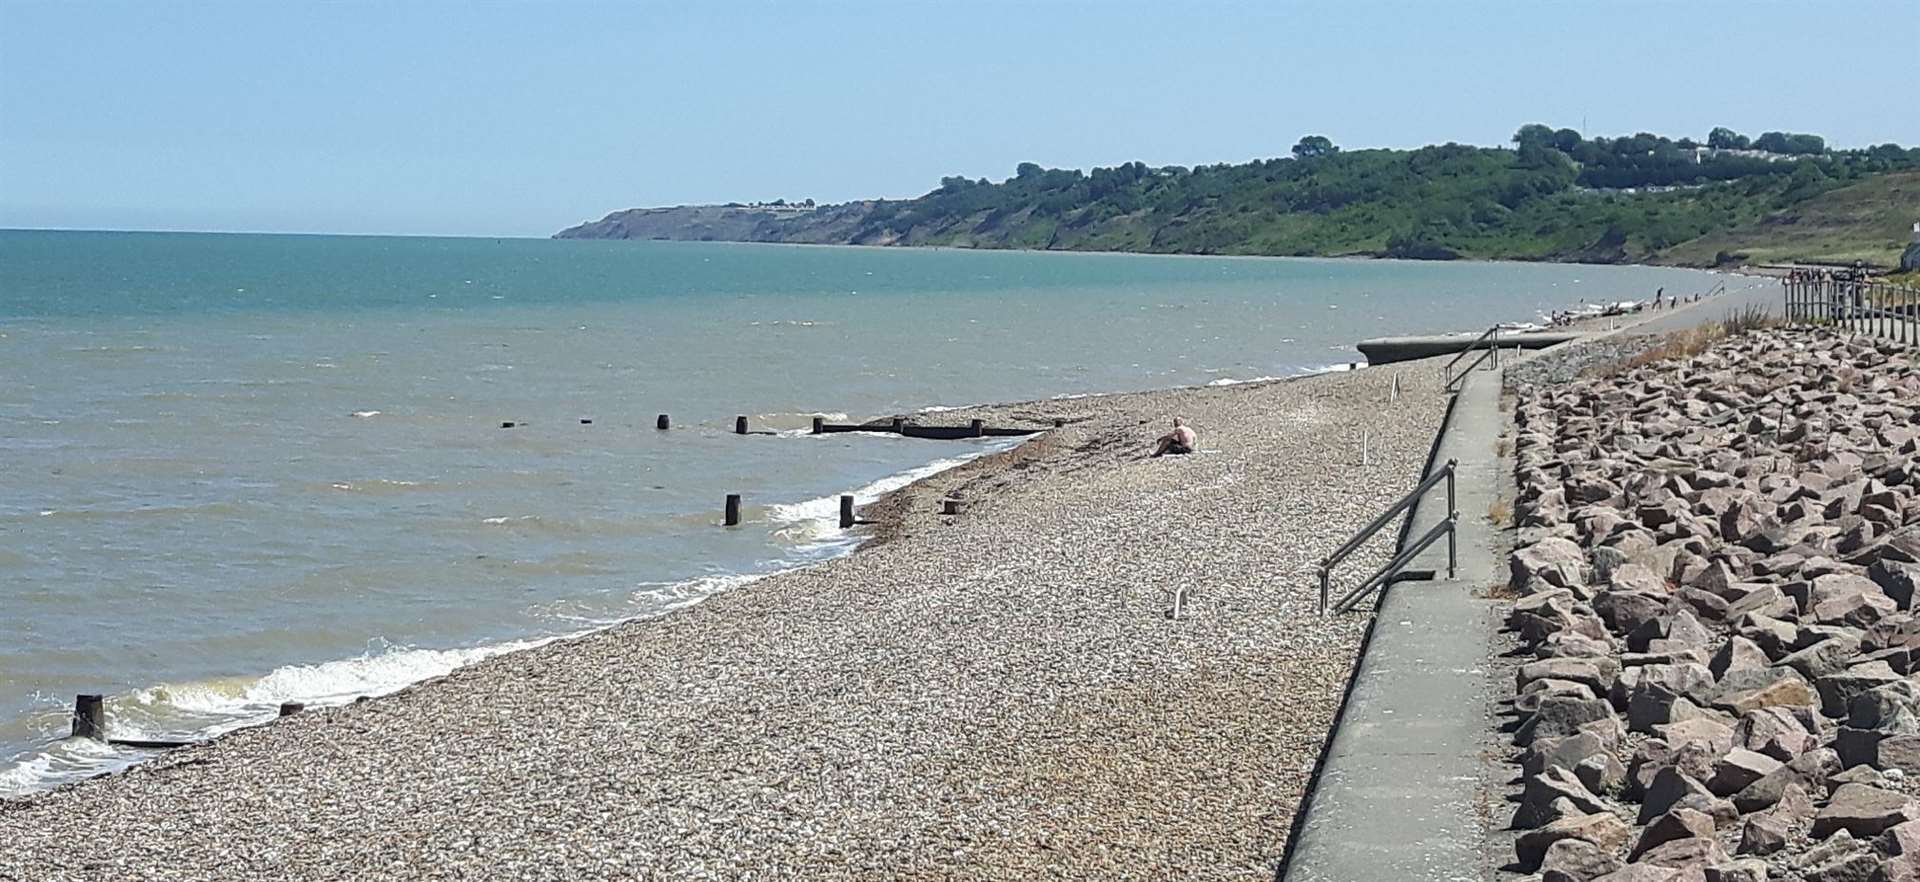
[(1180, 441)]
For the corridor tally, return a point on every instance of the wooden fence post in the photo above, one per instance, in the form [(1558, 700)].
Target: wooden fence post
[(90, 717)]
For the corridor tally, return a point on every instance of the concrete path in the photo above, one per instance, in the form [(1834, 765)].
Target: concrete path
[(1399, 794)]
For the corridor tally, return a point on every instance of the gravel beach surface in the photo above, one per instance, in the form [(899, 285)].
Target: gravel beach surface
[(999, 694)]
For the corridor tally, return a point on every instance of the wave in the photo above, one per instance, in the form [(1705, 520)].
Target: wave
[(206, 709), (814, 525), (791, 423), (1230, 381)]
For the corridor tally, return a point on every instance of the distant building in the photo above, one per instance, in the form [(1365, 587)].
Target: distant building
[(1702, 154)]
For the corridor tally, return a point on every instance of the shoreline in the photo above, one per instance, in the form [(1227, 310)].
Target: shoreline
[(885, 512), (1346, 258), (1740, 270), (916, 564)]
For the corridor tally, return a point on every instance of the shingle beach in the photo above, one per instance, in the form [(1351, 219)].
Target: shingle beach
[(1000, 694)]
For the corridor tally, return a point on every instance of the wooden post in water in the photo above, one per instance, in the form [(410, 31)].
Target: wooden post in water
[(661, 422), (739, 425), (846, 511), (506, 425), (733, 509), (90, 717), (819, 425), (899, 425), (289, 708), (979, 427)]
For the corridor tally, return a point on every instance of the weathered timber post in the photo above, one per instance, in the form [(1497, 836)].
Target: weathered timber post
[(1058, 422), (846, 511), (739, 425), (507, 425), (733, 510), (819, 425), (950, 506), (289, 708), (899, 425), (90, 717), (661, 422), (978, 427)]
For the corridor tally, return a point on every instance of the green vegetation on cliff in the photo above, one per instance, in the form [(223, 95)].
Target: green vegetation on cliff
[(1553, 195)]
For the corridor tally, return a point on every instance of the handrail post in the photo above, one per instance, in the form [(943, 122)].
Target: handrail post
[(1453, 552), (1453, 515), (1324, 589)]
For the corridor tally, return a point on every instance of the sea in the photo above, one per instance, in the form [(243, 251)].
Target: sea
[(241, 470)]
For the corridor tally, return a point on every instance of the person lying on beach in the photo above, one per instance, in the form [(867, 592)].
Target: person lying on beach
[(1179, 441)]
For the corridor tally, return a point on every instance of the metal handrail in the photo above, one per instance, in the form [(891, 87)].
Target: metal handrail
[(1400, 561), (1446, 473), (1493, 332)]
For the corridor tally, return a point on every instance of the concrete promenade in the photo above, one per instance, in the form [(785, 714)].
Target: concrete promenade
[(1397, 794), (1400, 792)]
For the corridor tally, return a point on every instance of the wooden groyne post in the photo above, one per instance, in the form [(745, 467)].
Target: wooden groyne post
[(950, 506), (846, 511), (899, 425), (661, 422), (819, 425), (739, 425), (733, 510), (978, 427), (289, 708), (90, 717)]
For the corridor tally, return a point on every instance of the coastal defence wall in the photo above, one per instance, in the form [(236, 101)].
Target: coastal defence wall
[(1406, 788), (1387, 350)]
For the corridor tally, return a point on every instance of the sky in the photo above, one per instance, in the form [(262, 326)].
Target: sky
[(520, 118)]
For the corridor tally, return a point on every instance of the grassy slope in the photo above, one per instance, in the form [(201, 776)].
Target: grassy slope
[(1870, 220)]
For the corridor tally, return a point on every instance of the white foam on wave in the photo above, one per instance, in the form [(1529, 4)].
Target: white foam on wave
[(206, 709), (1232, 381), (814, 524)]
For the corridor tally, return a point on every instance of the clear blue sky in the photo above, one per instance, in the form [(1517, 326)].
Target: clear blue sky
[(520, 118)]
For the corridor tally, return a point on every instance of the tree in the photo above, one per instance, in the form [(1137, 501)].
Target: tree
[(1723, 138), (1312, 146), (1027, 170), (1533, 133)]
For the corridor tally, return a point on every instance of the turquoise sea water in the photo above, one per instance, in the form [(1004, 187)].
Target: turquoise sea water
[(242, 470)]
